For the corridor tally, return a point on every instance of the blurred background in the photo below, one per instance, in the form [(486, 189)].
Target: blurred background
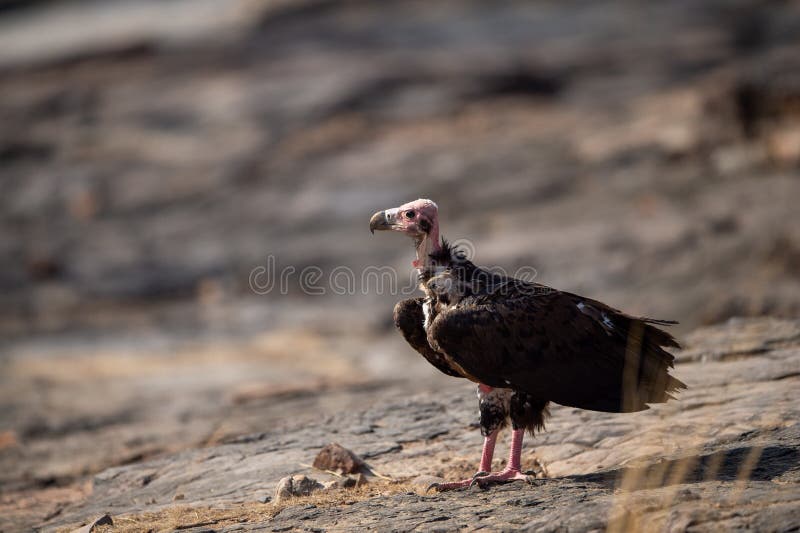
[(154, 153)]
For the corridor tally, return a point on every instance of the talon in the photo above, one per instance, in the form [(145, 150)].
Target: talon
[(432, 486), (476, 480), (480, 473)]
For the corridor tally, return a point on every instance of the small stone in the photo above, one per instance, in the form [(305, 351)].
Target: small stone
[(426, 481), (348, 483), (264, 499), (784, 145), (354, 481), (8, 439), (104, 520), (297, 485), (336, 458), (686, 494), (178, 497), (737, 158)]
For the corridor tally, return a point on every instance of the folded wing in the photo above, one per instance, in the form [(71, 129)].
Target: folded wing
[(560, 347)]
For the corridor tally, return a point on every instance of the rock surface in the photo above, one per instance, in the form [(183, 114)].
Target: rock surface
[(725, 456)]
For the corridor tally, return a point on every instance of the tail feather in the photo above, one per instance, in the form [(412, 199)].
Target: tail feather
[(650, 363)]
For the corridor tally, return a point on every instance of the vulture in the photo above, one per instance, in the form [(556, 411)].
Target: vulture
[(525, 344)]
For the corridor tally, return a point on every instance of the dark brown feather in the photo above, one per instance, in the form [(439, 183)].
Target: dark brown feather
[(542, 344), (557, 346), (409, 317)]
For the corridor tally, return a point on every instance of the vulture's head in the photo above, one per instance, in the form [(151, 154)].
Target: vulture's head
[(418, 219)]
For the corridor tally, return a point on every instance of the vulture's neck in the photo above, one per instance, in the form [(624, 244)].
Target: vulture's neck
[(425, 246)]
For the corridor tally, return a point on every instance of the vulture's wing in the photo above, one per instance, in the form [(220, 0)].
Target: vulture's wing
[(559, 346), (409, 317)]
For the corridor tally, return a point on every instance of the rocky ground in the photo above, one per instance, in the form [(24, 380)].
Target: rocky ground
[(154, 155), (724, 457)]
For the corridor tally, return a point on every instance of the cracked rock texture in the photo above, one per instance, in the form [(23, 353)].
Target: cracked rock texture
[(725, 456)]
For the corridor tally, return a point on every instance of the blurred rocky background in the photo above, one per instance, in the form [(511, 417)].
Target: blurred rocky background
[(154, 155)]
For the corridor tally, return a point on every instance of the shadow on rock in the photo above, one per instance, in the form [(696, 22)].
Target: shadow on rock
[(737, 464)]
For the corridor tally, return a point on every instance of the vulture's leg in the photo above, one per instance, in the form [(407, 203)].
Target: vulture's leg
[(494, 408), (526, 412), (488, 452), (512, 471), (486, 465)]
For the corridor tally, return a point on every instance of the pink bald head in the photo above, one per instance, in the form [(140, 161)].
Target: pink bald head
[(418, 219)]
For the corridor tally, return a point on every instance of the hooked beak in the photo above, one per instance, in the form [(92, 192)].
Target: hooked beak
[(382, 220)]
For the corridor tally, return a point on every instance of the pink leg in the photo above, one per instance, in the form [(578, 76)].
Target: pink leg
[(488, 451), (512, 471), (486, 465)]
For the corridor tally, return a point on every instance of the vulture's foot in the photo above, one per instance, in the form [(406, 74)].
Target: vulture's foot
[(483, 480), (454, 485), (509, 474)]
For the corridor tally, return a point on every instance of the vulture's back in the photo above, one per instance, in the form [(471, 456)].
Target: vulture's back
[(557, 346)]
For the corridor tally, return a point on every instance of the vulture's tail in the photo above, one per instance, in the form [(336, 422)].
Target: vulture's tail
[(646, 376)]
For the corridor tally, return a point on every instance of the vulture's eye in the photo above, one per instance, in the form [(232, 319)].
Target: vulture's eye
[(410, 214)]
